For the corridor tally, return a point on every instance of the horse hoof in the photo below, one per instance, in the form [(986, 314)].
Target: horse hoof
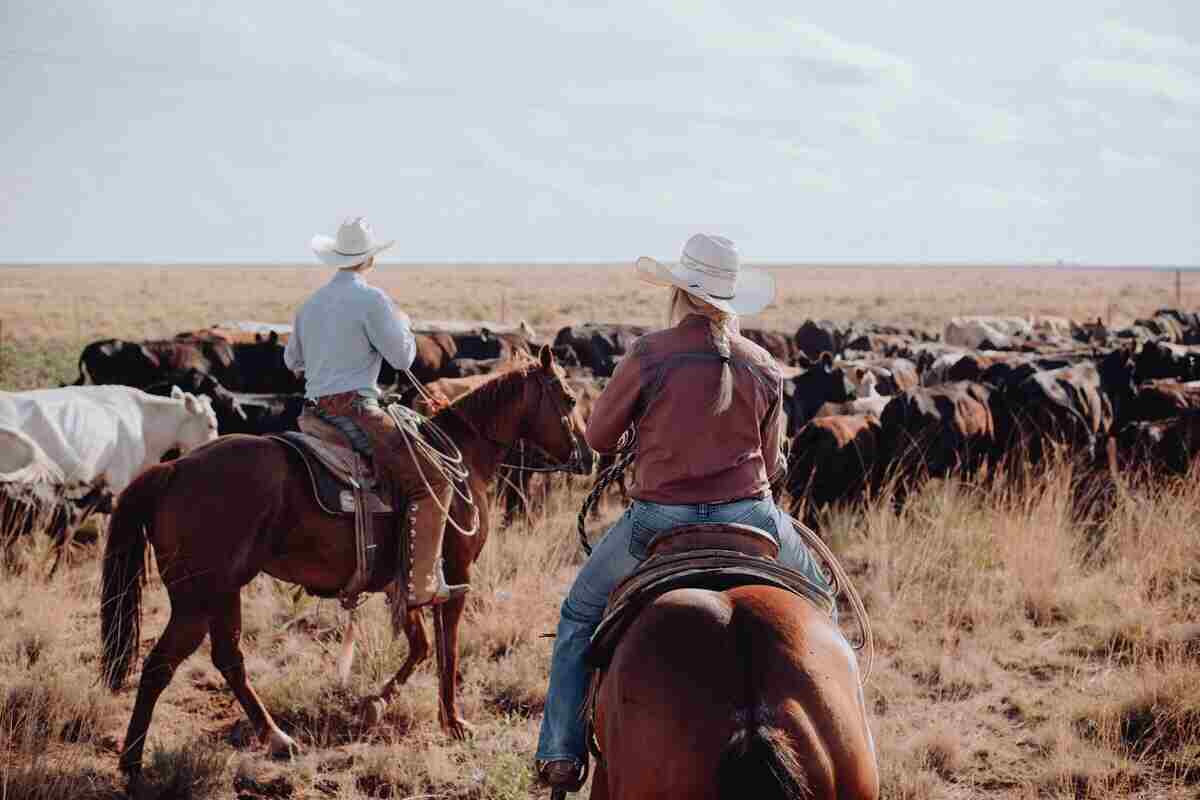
[(373, 711), (282, 746), (459, 729)]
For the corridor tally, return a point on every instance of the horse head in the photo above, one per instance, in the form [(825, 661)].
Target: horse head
[(554, 423)]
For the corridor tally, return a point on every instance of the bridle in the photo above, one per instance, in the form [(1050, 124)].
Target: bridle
[(574, 465)]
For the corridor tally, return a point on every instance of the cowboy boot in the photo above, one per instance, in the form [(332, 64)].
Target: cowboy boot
[(421, 552)]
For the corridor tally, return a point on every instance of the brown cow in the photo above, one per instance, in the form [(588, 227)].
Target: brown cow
[(831, 461), (934, 432)]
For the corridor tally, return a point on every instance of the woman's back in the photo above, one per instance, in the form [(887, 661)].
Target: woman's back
[(686, 453)]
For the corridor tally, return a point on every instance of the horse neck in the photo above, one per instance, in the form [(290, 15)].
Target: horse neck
[(497, 415)]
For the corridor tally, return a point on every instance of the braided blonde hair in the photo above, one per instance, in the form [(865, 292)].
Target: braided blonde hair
[(721, 326)]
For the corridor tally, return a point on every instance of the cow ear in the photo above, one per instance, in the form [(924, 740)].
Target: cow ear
[(176, 393), (546, 356)]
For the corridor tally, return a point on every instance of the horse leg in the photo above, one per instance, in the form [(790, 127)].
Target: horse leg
[(225, 626), (418, 651), (452, 723), (182, 636)]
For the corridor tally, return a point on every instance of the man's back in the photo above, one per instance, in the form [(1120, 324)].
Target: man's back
[(342, 334)]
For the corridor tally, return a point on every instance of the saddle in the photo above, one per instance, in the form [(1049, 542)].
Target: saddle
[(342, 485), (701, 556), (336, 472)]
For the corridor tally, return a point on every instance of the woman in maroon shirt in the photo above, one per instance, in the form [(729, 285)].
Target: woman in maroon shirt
[(707, 406)]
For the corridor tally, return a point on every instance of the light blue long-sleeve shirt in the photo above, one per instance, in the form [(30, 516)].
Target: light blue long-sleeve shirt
[(343, 333)]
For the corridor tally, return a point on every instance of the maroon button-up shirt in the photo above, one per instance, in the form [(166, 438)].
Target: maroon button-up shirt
[(666, 385)]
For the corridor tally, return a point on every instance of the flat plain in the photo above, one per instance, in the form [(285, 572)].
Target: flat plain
[(1017, 657)]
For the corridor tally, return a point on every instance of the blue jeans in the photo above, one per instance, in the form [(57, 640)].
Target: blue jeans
[(626, 544)]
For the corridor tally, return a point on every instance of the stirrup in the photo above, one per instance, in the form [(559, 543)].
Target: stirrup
[(444, 593)]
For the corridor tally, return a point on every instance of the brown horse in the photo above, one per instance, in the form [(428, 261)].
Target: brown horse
[(749, 692), (243, 505)]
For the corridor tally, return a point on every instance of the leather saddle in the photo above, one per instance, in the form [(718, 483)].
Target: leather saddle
[(701, 556), (332, 470)]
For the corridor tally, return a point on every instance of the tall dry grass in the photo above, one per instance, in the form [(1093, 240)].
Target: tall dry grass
[(1017, 657)]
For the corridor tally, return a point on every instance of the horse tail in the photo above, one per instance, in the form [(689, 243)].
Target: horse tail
[(759, 762), (760, 759), (124, 573)]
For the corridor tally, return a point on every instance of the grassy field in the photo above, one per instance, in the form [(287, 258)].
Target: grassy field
[(1017, 658)]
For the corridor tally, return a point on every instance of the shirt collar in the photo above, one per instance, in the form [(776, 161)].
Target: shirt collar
[(344, 276)]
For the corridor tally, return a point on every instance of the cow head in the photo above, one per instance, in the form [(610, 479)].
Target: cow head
[(821, 382), (198, 424)]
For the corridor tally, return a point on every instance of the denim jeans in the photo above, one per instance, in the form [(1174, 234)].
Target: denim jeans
[(613, 558)]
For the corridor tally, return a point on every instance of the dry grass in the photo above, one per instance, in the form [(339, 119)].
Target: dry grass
[(1017, 657)]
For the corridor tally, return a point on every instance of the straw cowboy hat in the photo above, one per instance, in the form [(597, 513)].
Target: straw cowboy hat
[(711, 270), (354, 244)]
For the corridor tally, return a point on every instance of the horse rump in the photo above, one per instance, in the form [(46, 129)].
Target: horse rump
[(759, 762)]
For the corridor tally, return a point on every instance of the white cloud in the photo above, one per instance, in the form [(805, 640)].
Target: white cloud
[(357, 64), (1160, 81), (1121, 36), (1118, 161)]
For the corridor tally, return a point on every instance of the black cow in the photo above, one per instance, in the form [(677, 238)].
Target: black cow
[(226, 405), (1159, 360), (599, 346), (258, 367), (815, 337), (804, 394), (140, 364)]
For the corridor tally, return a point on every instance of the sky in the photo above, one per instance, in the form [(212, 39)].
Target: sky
[(857, 131)]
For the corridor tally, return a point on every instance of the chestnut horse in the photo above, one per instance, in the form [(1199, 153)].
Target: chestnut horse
[(748, 692), (243, 505)]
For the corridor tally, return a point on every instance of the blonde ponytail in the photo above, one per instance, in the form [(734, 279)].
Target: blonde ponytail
[(721, 325)]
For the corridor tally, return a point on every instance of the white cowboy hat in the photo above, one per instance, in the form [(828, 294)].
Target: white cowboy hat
[(355, 243), (711, 270)]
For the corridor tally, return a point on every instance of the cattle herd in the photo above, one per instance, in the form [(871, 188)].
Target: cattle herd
[(870, 407)]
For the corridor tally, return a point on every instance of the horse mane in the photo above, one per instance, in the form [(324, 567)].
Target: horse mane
[(478, 407)]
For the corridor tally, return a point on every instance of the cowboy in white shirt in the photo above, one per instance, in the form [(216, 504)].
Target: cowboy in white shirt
[(340, 338)]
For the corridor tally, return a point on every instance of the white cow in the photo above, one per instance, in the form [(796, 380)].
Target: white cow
[(107, 435), (971, 332)]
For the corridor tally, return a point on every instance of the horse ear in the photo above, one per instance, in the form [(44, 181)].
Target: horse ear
[(546, 356)]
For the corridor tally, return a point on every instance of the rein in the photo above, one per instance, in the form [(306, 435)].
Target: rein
[(574, 464)]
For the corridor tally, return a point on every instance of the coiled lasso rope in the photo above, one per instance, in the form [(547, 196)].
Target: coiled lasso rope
[(442, 454)]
